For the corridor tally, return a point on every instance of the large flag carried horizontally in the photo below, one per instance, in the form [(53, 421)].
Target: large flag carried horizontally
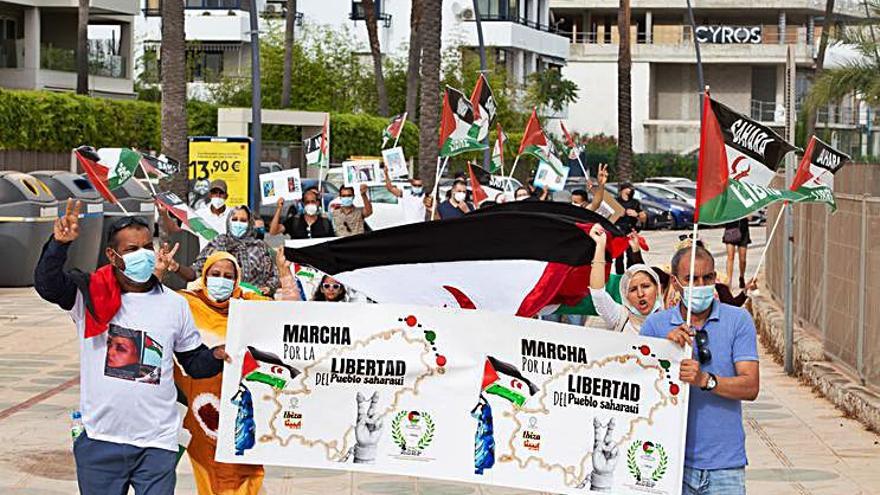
[(738, 158), (497, 162), (483, 102), (535, 143), (394, 128), (265, 367), (189, 218), (458, 132), (317, 147), (541, 250), (815, 174), (506, 381), (108, 168)]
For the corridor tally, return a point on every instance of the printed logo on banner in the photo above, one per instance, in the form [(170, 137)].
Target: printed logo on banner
[(647, 462), (412, 431), (293, 418), (531, 437)]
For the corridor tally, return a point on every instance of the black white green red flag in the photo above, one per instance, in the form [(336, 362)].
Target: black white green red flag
[(497, 162), (483, 102), (317, 147), (108, 168), (265, 367), (506, 381), (738, 158), (188, 217), (815, 175), (394, 128), (458, 131), (535, 143)]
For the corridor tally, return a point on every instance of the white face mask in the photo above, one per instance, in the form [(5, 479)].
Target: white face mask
[(310, 209), (459, 196), (217, 202)]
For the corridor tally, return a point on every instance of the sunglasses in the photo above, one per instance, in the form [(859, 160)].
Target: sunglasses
[(125, 223), (331, 286), (701, 338)]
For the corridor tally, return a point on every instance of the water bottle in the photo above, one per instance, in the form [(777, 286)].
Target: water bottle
[(76, 424)]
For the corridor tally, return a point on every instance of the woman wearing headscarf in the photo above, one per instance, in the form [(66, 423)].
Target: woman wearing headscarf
[(209, 302), (254, 256), (640, 291)]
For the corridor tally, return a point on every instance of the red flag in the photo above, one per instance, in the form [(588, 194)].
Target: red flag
[(712, 175), (803, 171), (96, 173), (533, 135), (475, 96), (479, 194), (565, 133), (447, 120)]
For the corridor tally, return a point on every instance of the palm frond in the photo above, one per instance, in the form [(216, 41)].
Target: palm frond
[(856, 77)]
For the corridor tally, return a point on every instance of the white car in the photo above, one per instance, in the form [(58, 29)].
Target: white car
[(668, 191), (387, 210), (669, 180)]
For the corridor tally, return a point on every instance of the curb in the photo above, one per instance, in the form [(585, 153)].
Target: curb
[(810, 363)]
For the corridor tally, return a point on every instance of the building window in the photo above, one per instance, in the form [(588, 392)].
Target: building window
[(357, 12), (205, 66), (154, 7)]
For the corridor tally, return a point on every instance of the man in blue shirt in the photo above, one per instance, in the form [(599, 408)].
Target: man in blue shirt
[(723, 373)]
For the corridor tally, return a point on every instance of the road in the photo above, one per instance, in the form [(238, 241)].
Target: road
[(797, 442)]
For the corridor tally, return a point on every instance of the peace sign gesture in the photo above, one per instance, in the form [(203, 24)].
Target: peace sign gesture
[(67, 227)]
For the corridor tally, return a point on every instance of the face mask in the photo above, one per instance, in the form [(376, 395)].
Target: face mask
[(701, 297), (260, 230), (310, 209), (139, 265), (417, 191), (521, 198), (219, 288), (576, 204), (459, 196), (237, 228), (346, 201), (217, 202)]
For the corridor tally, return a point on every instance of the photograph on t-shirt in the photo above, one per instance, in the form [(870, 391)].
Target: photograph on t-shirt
[(132, 355)]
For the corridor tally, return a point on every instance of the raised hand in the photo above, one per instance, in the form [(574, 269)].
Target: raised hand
[(66, 227), (602, 174), (281, 261), (597, 233), (605, 455), (165, 260), (367, 428)]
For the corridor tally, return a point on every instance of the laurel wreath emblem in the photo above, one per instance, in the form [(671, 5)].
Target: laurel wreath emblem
[(400, 440), (633, 467), (661, 466)]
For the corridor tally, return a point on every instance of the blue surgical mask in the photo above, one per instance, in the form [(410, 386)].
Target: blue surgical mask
[(346, 201), (219, 288), (417, 191), (139, 265), (237, 228), (700, 297), (260, 230)]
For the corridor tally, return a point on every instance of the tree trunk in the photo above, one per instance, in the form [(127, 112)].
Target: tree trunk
[(376, 51), (82, 48), (414, 61), (173, 60), (287, 77), (812, 114), (429, 107), (624, 95)]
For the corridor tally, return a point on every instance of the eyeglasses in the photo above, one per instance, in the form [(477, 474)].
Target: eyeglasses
[(704, 355), (125, 223), (331, 286)]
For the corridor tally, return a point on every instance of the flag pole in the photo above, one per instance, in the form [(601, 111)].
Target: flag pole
[(584, 170), (513, 168), (696, 223), (437, 176), (147, 177), (402, 123), (767, 242)]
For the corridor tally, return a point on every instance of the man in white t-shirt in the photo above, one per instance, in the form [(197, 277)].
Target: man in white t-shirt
[(130, 329), (214, 213), (413, 200)]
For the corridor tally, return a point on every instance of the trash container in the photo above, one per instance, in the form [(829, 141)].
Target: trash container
[(27, 213), (136, 199), (83, 253)]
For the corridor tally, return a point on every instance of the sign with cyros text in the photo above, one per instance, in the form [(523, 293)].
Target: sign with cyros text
[(460, 395), (729, 34)]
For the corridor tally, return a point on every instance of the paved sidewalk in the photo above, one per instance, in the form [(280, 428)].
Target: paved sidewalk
[(798, 443)]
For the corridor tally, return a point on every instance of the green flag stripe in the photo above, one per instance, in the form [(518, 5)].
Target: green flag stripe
[(454, 147), (198, 226), (506, 393), (272, 381), (741, 199)]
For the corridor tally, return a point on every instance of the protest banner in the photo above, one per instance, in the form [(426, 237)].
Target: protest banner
[(395, 162), (213, 158), (470, 396), (356, 172), (285, 184)]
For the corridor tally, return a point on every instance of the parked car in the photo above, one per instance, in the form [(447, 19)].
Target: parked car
[(682, 213), (658, 216), (668, 192), (670, 180)]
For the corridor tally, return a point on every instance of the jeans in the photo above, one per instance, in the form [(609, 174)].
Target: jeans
[(107, 468), (714, 481), (552, 317), (578, 320)]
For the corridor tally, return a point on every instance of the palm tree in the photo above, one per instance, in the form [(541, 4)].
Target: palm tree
[(414, 61), (429, 107), (173, 60), (858, 75), (82, 48), (624, 95), (287, 76), (820, 64), (376, 52)]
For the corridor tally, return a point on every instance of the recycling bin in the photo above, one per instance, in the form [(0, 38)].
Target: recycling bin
[(83, 253), (136, 200), (27, 214)]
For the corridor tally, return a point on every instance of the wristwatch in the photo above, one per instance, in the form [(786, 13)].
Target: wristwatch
[(711, 383)]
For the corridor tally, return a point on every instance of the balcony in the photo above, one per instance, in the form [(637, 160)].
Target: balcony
[(851, 8), (100, 63), (516, 33), (154, 7)]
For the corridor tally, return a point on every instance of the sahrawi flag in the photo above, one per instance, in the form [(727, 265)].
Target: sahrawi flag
[(317, 147), (497, 162), (506, 381), (573, 149), (535, 143), (738, 159), (395, 127), (458, 132), (483, 102), (541, 256), (265, 367), (189, 218), (815, 174), (159, 166), (108, 168)]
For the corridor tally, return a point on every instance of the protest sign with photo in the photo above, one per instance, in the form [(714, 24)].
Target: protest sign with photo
[(550, 177), (285, 184), (470, 396), (395, 162), (356, 172)]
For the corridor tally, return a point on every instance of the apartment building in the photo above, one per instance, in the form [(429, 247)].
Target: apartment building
[(38, 45), (744, 45)]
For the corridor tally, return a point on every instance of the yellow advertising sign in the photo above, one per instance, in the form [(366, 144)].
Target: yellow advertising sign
[(222, 158)]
